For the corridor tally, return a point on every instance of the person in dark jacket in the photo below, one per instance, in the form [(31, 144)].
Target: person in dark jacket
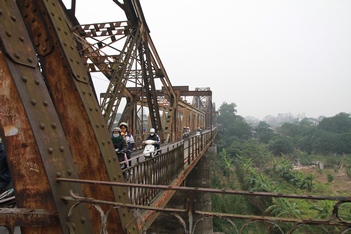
[(5, 177), (153, 136), (119, 143)]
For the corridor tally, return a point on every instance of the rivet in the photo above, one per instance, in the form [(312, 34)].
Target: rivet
[(96, 109), (13, 18), (72, 48), (45, 103), (29, 59), (69, 172), (91, 109), (59, 18), (53, 125), (24, 78), (64, 44), (58, 28), (58, 174), (103, 142), (44, 48), (114, 178), (50, 150), (83, 92), (62, 148), (42, 126), (82, 220), (37, 44), (36, 81), (33, 102), (97, 126), (25, 15), (109, 160), (17, 55), (21, 39), (78, 62), (0, 12), (32, 20), (9, 34)]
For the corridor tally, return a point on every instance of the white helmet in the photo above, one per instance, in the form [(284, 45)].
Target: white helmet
[(123, 124), (152, 130)]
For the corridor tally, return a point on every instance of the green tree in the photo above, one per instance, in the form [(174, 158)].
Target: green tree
[(240, 129), (340, 123), (281, 145), (264, 133), (227, 114)]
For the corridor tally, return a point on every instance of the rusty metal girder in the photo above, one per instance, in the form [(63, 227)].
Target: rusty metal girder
[(79, 113), (12, 217), (37, 150), (136, 63), (117, 68)]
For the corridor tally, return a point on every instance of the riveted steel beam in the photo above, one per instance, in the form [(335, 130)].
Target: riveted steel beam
[(83, 126), (33, 135)]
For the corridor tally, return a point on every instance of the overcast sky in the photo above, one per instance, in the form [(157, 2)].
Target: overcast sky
[(266, 56)]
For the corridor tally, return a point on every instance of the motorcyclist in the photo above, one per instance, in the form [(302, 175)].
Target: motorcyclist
[(186, 132), (119, 143), (153, 136), (129, 139)]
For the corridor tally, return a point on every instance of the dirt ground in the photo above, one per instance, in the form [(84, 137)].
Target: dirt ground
[(341, 184)]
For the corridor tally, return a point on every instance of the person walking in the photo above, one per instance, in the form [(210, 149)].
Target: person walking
[(129, 139)]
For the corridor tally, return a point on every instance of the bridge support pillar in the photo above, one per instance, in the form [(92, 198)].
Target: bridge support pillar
[(212, 148), (166, 223), (200, 177)]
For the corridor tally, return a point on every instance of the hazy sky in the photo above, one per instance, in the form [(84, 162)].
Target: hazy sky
[(267, 57)]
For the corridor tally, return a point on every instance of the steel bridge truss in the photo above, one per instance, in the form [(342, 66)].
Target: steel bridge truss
[(124, 53)]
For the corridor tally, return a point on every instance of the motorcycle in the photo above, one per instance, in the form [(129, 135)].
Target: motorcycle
[(150, 149), (123, 161), (186, 135)]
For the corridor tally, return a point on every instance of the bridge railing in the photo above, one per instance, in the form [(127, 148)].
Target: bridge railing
[(164, 168)]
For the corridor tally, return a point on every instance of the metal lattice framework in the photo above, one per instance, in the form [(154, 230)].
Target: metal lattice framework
[(58, 138)]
